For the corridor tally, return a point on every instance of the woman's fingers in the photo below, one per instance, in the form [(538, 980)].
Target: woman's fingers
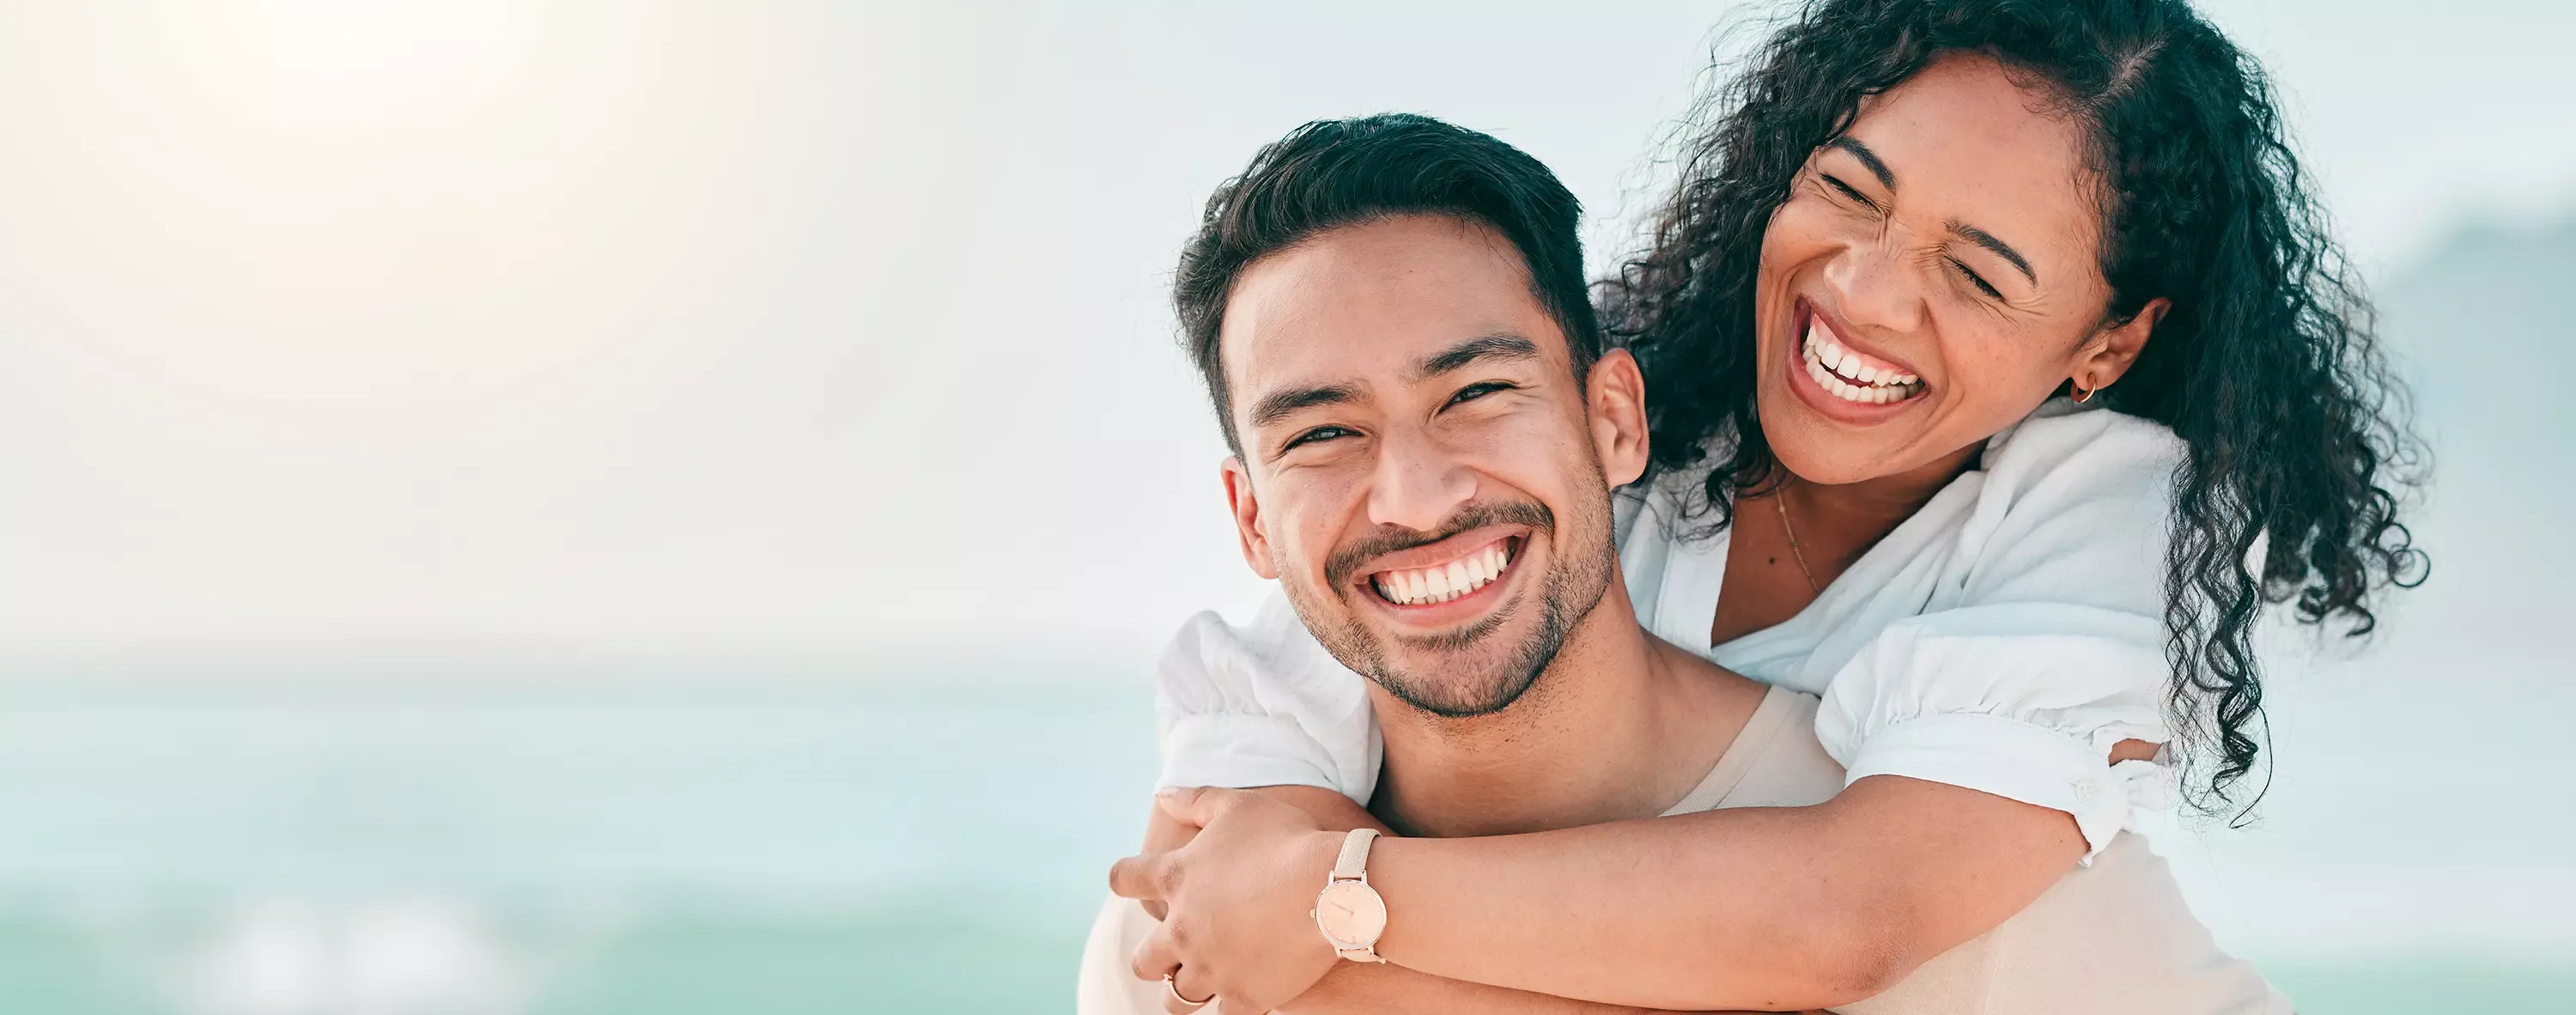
[(1138, 877), (1195, 806), (1185, 994), (1157, 956)]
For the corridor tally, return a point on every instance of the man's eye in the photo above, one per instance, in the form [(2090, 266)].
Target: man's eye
[(1318, 434), (1473, 392)]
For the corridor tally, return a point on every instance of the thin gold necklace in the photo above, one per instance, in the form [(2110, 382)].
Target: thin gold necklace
[(1780, 499)]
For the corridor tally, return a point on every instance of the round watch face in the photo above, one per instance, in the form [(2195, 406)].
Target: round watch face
[(1351, 914)]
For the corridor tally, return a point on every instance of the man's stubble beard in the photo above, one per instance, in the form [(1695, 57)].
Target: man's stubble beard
[(1569, 592)]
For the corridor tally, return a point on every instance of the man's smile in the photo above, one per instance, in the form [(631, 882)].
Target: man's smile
[(1443, 583)]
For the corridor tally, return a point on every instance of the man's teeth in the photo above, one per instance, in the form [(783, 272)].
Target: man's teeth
[(1423, 586), (1842, 372)]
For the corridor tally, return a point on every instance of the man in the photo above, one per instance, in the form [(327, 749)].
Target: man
[(1427, 443)]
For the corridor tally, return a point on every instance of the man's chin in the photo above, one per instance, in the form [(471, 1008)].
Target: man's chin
[(1460, 682), (1451, 698), (1473, 669)]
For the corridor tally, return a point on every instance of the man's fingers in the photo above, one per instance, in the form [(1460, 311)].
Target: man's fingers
[(1135, 878)]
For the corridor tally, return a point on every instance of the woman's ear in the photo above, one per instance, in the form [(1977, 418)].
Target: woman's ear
[(1615, 400), (1248, 526), (2115, 349)]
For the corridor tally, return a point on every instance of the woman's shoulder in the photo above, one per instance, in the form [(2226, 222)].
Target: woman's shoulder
[(2087, 445), (2072, 499)]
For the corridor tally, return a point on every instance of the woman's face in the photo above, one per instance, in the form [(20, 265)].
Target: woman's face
[(1932, 278)]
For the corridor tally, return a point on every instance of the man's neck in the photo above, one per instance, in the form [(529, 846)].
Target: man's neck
[(1621, 725)]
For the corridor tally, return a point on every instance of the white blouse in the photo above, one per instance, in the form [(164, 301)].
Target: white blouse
[(2003, 639)]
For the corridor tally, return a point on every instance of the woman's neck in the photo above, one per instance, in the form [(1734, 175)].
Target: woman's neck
[(1798, 537), (1849, 518)]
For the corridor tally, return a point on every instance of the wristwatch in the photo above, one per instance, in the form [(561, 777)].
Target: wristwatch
[(1348, 911)]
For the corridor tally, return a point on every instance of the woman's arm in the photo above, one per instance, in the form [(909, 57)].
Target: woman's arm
[(1363, 987), (1759, 908), (1366, 989), (1773, 907)]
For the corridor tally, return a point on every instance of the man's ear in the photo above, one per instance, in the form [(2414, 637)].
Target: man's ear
[(1615, 400), (2112, 352), (1248, 527)]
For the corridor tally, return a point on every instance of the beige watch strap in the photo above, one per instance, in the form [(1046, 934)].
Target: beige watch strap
[(1352, 865)]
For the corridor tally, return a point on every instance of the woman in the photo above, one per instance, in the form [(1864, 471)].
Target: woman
[(1904, 235)]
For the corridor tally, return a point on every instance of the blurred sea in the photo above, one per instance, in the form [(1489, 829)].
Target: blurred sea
[(523, 847), (348, 842), (526, 847)]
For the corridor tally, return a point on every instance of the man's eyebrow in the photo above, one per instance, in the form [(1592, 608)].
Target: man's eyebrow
[(1279, 404), (1501, 345), (2002, 249), (1886, 177)]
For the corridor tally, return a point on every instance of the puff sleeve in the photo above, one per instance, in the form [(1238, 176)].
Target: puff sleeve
[(1262, 705), (2043, 643)]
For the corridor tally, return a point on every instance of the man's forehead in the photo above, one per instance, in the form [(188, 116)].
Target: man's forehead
[(1374, 302)]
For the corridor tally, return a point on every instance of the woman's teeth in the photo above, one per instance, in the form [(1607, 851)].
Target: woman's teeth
[(1843, 373), (1424, 586)]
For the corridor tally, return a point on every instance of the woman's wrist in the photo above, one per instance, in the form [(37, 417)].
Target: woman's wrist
[(1388, 861), (1319, 851)]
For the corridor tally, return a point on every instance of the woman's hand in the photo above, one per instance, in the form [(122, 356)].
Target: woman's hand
[(1239, 898)]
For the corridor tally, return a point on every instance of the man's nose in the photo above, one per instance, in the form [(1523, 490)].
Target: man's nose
[(1418, 484), (1872, 286)]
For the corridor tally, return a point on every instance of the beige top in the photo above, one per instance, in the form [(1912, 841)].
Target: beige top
[(2110, 939)]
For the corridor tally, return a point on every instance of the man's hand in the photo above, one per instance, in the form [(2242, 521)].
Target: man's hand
[(1238, 898)]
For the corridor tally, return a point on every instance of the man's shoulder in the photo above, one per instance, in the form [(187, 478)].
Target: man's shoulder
[(1782, 762), (1774, 759)]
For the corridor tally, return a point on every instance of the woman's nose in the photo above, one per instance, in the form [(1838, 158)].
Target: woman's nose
[(1872, 287)]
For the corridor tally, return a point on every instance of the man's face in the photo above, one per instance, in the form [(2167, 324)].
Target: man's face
[(1420, 468)]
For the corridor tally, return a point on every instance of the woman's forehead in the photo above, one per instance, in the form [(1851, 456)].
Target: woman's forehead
[(1965, 141)]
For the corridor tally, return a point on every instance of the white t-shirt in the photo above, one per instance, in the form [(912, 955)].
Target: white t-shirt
[(2003, 639)]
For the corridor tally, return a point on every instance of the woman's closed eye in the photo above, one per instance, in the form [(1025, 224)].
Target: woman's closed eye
[(1847, 190), (1976, 280)]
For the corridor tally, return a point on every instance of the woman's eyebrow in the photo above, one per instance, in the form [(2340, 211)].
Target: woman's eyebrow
[(1867, 158), (2002, 249)]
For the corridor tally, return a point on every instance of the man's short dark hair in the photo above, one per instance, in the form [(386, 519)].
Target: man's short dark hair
[(1333, 173)]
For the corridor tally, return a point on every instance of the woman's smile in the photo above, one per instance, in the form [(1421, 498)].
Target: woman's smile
[(1839, 380)]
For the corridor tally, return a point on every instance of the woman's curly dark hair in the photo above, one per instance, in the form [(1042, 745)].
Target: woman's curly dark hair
[(2266, 365)]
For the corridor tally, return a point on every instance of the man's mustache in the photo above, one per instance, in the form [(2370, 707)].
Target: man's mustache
[(1347, 559)]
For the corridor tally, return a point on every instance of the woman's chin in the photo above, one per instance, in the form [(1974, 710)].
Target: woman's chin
[(1817, 451)]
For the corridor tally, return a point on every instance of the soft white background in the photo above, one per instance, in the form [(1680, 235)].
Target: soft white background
[(810, 330)]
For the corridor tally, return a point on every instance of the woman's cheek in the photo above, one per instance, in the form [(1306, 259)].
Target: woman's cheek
[(1998, 374), (1802, 226)]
